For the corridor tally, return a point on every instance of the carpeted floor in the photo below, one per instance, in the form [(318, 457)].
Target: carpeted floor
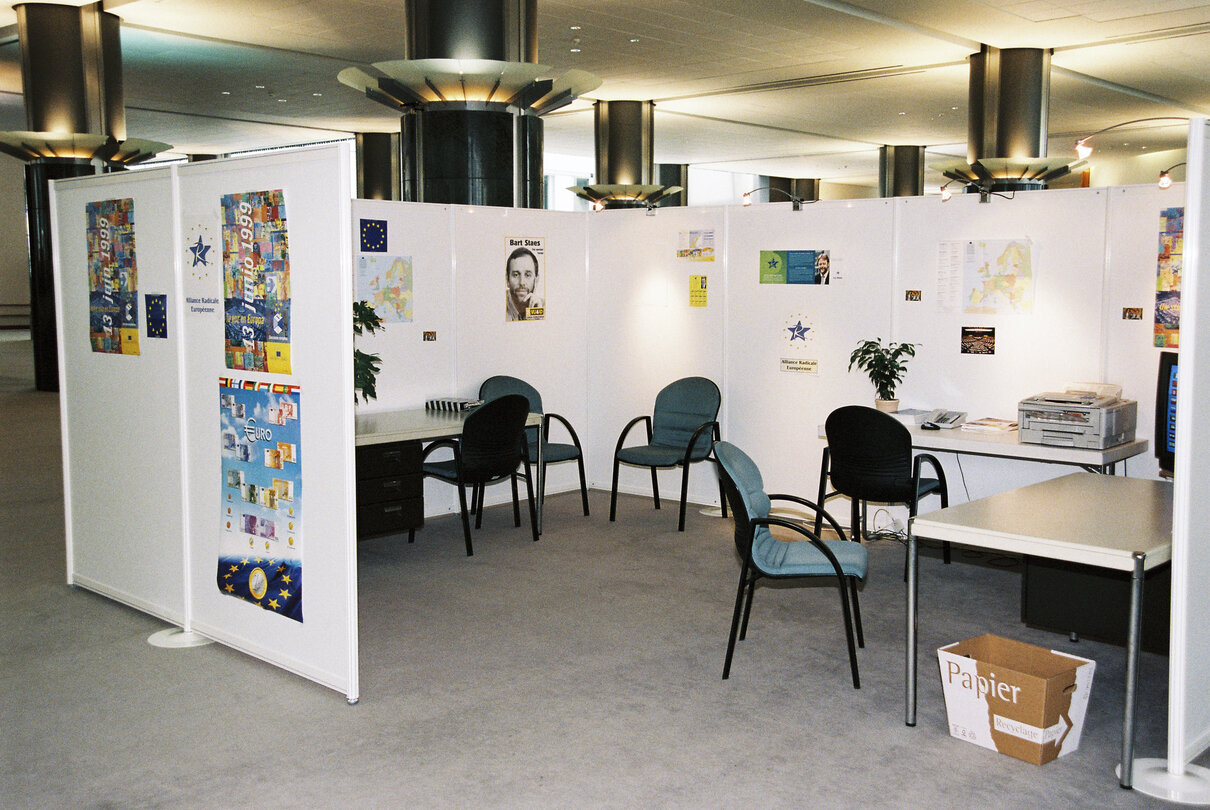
[(578, 672)]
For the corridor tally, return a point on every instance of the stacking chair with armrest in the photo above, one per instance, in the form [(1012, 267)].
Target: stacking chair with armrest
[(869, 458), (766, 556), (491, 448), (552, 452), (681, 430)]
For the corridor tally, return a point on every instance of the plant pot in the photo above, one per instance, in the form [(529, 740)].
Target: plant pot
[(887, 405)]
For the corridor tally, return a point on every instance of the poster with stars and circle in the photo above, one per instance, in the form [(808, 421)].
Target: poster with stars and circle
[(798, 337)]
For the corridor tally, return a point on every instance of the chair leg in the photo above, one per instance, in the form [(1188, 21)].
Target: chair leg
[(466, 520), (739, 600), (743, 628), (613, 492), (529, 494), (655, 487), (856, 612), (411, 535), (516, 505), (848, 631), (680, 526), (855, 532), (477, 505), (583, 484), (722, 495)]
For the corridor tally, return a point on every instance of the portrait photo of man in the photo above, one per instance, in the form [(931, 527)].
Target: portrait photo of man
[(524, 293), (823, 266)]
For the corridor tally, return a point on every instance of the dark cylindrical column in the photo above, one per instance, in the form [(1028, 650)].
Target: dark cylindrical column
[(804, 188), (1009, 102), (38, 175), (378, 175), (900, 171), (625, 137), (466, 153), (673, 174)]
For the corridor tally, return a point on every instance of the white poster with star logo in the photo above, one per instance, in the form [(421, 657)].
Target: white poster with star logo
[(260, 554), (798, 337)]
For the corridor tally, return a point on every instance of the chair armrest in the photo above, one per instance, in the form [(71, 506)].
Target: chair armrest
[(450, 443), (711, 426), (819, 511), (805, 532), (932, 462), (629, 425), (546, 420)]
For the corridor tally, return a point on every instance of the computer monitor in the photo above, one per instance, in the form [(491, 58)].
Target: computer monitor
[(1165, 412)]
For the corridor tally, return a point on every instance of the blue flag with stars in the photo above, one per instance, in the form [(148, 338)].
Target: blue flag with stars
[(373, 236)]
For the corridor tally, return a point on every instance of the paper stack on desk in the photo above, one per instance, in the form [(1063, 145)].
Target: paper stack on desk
[(989, 424), (452, 404)]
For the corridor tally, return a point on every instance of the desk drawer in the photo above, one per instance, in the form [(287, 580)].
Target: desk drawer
[(393, 488), (390, 516), (388, 459)]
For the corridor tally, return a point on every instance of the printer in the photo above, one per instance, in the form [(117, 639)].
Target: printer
[(1092, 417)]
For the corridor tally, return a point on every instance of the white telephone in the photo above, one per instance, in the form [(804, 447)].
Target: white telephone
[(944, 419)]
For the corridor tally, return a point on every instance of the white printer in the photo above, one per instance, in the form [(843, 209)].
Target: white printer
[(1085, 415)]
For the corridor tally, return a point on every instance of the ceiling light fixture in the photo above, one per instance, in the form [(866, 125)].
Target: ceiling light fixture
[(1165, 178), (945, 191), (796, 202), (623, 195), (1084, 149)]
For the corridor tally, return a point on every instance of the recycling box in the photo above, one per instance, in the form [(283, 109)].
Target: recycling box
[(1019, 699)]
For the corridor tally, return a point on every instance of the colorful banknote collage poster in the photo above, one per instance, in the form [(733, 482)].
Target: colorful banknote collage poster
[(260, 546), (1168, 278), (113, 278), (795, 267), (256, 281)]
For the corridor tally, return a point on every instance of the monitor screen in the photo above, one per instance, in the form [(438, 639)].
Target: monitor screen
[(1165, 412)]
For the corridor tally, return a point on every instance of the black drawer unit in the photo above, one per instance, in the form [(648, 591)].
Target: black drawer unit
[(390, 488)]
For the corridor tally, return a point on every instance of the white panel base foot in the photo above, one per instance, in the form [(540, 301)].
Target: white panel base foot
[(175, 637), (1151, 778), (711, 511)]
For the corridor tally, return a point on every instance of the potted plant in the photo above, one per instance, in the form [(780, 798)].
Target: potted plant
[(365, 366), (885, 365)]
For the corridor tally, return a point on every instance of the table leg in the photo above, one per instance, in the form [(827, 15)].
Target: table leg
[(1133, 639), (909, 664)]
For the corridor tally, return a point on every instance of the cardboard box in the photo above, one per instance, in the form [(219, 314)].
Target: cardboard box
[(1019, 699)]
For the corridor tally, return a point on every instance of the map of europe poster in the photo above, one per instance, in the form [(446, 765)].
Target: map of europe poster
[(256, 281)]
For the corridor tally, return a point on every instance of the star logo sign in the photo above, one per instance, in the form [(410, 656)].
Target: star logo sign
[(199, 252), (773, 263), (798, 331)]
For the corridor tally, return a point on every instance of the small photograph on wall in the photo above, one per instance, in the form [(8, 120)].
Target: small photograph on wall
[(978, 340), (260, 545), (525, 279), (113, 278)]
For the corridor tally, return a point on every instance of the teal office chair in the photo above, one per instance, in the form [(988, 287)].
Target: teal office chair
[(491, 448), (552, 452), (766, 556), (681, 431)]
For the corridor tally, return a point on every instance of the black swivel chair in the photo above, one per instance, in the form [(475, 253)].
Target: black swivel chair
[(491, 448), (869, 458)]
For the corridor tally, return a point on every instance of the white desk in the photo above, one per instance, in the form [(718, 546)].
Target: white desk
[(423, 425), (1124, 524), (1007, 445)]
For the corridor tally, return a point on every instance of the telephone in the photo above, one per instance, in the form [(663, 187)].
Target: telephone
[(943, 419)]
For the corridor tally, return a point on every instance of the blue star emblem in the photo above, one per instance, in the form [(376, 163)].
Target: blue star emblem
[(798, 331), (199, 252), (773, 263)]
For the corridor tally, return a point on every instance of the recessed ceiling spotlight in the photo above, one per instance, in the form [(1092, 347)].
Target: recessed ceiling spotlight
[(281, 99), (260, 87), (317, 95), (575, 28), (634, 39), (575, 50), (226, 92), (953, 108), (902, 113)]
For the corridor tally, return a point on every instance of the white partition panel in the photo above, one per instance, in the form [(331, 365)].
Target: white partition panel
[(121, 412), (643, 334), (550, 353), (316, 190), (775, 404)]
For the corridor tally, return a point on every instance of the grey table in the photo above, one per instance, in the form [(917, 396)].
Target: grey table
[(1124, 524)]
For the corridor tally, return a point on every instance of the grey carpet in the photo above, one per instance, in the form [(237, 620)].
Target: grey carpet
[(578, 672)]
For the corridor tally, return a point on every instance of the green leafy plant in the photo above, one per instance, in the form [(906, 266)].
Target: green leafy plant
[(884, 364), (365, 365)]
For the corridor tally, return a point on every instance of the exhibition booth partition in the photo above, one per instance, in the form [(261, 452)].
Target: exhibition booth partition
[(255, 262)]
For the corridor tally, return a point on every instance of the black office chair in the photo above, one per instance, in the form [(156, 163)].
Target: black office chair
[(552, 452), (491, 448), (869, 458), (682, 430)]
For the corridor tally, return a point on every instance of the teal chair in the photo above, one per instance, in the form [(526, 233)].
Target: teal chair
[(681, 430), (766, 556), (552, 452)]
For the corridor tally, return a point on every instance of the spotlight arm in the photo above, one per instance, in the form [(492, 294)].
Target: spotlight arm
[(1082, 143), (795, 201)]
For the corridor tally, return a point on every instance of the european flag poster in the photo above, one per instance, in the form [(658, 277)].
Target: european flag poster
[(373, 236), (260, 550)]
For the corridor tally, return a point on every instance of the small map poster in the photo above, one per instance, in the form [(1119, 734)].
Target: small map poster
[(256, 281), (386, 282), (1168, 278), (985, 276), (795, 266), (113, 278), (696, 246), (260, 546)]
